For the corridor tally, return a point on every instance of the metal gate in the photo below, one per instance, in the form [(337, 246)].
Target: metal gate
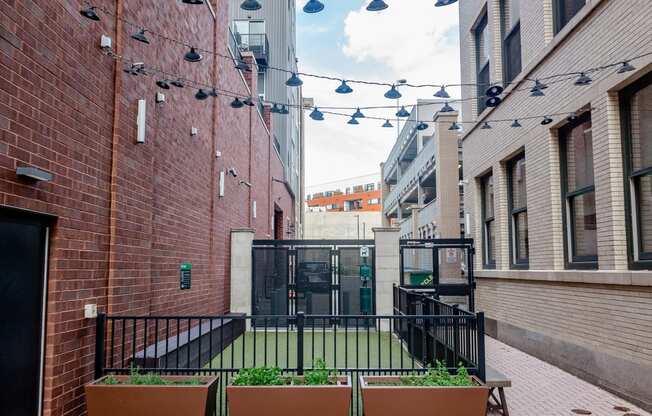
[(439, 267), (317, 277)]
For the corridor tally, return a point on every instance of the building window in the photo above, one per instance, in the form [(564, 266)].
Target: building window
[(488, 223), (374, 201), (369, 187), (482, 60), (261, 85), (564, 12), (578, 193), (511, 30), (636, 105), (518, 211)]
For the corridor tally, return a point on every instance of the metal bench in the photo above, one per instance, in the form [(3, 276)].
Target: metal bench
[(496, 380)]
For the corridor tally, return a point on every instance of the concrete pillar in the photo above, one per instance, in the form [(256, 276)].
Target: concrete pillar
[(387, 270), (241, 270)]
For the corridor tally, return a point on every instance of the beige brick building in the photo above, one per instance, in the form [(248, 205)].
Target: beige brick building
[(561, 212)]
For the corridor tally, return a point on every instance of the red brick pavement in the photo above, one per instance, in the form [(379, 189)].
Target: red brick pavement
[(541, 389)]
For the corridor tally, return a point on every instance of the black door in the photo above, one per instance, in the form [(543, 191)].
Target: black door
[(22, 259)]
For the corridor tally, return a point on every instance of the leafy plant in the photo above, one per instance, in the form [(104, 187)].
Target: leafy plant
[(320, 375), (262, 376), (439, 376), (149, 379), (259, 377)]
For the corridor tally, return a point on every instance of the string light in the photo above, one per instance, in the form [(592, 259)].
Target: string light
[(546, 120), (358, 114), (516, 125), (446, 108), (442, 93), (626, 67), (317, 115), (441, 3), (393, 93), (201, 95), (403, 113), (486, 126), (194, 2), (377, 5), (192, 55), (250, 5), (177, 83), (236, 103), (140, 36), (90, 13), (294, 81), (422, 126), (537, 89), (313, 6), (583, 80), (387, 124), (163, 83), (353, 121), (454, 126), (344, 89)]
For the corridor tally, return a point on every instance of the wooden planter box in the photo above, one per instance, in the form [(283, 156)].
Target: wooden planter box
[(290, 400), (380, 399), (139, 400)]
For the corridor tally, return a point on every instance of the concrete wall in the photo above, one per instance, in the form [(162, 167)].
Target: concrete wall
[(592, 323), (340, 225)]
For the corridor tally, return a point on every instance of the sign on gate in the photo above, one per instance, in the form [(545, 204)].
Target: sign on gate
[(364, 251)]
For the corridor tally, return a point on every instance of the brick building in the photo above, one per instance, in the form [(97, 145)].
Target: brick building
[(563, 262), (117, 218), (358, 198)]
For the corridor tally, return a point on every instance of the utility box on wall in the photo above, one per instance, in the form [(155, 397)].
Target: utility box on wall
[(185, 276)]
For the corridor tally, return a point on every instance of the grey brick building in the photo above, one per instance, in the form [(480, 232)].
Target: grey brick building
[(562, 211)]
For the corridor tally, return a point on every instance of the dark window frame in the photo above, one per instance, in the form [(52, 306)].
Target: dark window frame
[(513, 214), (644, 261), (480, 67), (568, 219), (486, 262), (560, 18), (507, 33)]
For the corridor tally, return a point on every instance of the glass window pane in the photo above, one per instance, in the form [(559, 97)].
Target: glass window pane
[(644, 212), (490, 241), (521, 243), (518, 192), (579, 157), (566, 9), (641, 129), (488, 195), (584, 225), (512, 13), (513, 54)]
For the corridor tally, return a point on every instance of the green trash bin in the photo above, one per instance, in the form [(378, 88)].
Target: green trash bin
[(365, 300)]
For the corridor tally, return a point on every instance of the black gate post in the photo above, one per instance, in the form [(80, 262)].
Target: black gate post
[(481, 350), (100, 326), (300, 326)]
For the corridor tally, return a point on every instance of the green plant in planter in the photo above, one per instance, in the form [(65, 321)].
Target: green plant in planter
[(440, 377), (263, 376), (149, 379)]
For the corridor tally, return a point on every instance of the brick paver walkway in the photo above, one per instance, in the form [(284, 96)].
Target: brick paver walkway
[(541, 389)]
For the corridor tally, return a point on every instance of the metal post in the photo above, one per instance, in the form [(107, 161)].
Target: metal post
[(100, 326), (300, 327), (481, 350)]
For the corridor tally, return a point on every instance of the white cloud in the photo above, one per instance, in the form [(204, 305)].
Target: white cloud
[(412, 42)]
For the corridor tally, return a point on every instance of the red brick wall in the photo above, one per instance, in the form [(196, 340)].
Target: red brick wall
[(127, 214)]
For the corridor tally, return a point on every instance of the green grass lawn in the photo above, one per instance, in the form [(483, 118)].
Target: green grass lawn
[(339, 349)]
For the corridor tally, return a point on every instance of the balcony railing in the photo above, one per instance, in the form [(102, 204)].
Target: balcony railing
[(256, 43), (422, 163)]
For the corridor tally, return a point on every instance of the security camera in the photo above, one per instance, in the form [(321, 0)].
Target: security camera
[(233, 172)]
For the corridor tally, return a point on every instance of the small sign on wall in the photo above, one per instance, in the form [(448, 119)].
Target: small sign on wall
[(364, 251), (185, 276)]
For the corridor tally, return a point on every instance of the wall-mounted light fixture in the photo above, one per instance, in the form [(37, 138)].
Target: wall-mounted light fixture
[(34, 174), (141, 121), (194, 131), (160, 97)]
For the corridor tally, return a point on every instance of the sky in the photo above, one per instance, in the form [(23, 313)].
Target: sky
[(410, 40)]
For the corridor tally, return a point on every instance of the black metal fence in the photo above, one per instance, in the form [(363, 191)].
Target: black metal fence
[(442, 266), (353, 344), (328, 277)]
